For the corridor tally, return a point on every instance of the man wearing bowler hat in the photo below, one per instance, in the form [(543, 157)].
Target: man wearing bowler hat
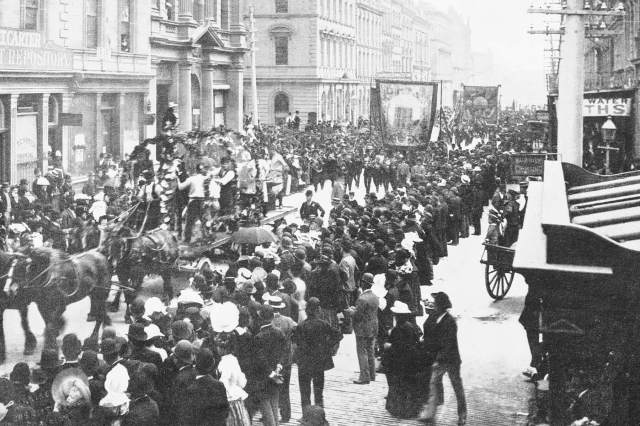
[(440, 336)]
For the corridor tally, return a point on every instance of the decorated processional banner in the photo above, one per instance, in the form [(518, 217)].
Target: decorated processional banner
[(405, 110), (480, 104)]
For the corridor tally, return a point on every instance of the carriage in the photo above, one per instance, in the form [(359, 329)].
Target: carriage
[(498, 272)]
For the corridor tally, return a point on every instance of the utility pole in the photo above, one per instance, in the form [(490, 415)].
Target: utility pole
[(254, 82), (571, 87), (575, 14)]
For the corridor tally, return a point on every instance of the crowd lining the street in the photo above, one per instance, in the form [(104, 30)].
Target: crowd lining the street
[(224, 350)]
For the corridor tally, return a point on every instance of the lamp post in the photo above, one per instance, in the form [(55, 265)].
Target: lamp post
[(608, 131)]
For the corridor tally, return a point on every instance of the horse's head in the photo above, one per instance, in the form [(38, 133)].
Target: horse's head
[(29, 265), (116, 246)]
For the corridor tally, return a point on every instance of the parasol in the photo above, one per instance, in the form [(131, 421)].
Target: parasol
[(253, 235)]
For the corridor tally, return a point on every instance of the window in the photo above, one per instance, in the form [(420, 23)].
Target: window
[(170, 7), (282, 6), (91, 24), (198, 11), (282, 49), (30, 15), (125, 25)]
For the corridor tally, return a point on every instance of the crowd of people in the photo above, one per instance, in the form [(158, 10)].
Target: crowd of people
[(224, 350)]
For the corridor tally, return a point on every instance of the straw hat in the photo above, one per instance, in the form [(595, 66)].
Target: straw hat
[(400, 308)]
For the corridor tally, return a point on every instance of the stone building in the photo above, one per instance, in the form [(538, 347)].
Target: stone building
[(197, 58), (81, 78), (74, 76), (321, 57)]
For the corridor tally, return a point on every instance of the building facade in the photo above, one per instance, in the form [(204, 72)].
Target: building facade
[(611, 68), (197, 60), (81, 78), (73, 80), (321, 57)]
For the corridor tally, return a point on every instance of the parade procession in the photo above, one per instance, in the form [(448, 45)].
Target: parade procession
[(237, 212)]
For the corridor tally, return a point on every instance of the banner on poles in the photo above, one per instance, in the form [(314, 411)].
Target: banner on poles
[(406, 110), (480, 103), (374, 107)]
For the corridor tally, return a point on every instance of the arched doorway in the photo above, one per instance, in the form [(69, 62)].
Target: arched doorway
[(195, 102), (280, 107)]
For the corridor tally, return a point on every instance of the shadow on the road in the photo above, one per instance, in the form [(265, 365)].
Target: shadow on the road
[(510, 305)]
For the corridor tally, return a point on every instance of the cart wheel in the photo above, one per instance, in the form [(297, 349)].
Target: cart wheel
[(498, 280)]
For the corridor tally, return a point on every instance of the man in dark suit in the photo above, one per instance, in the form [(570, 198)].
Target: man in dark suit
[(315, 339), (205, 398), (365, 327), (269, 356), (441, 340), (138, 337)]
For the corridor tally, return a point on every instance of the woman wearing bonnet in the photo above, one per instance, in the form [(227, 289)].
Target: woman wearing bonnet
[(70, 391)]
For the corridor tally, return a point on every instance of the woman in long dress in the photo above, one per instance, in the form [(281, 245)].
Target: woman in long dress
[(401, 361)]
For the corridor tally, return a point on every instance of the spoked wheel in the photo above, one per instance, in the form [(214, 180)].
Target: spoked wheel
[(498, 280)]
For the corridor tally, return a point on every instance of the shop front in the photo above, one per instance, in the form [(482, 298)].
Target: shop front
[(50, 110), (597, 108)]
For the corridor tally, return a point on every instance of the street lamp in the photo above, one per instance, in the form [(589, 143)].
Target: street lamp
[(608, 131)]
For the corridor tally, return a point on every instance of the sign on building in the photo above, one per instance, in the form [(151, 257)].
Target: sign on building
[(603, 107), (26, 50)]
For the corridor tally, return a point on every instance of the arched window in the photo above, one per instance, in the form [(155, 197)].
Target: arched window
[(281, 107), (282, 6)]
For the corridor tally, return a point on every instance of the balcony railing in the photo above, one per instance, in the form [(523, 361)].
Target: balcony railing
[(594, 81)]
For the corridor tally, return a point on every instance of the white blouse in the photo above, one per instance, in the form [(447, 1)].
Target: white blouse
[(232, 378)]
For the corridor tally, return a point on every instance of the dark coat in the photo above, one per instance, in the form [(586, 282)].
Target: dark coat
[(377, 264), (325, 284), (402, 357), (315, 339), (144, 354), (269, 351), (143, 411), (177, 395), (206, 403), (441, 339)]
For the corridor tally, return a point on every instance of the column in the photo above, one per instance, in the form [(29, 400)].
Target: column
[(207, 106), (210, 10), (99, 125), (65, 107), (151, 130), (185, 10), (13, 127), (43, 137), (234, 100), (120, 101), (184, 96)]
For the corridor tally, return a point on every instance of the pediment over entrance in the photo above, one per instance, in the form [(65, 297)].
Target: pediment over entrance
[(206, 36)]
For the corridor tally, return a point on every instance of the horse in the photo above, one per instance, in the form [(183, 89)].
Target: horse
[(52, 279), (135, 256)]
